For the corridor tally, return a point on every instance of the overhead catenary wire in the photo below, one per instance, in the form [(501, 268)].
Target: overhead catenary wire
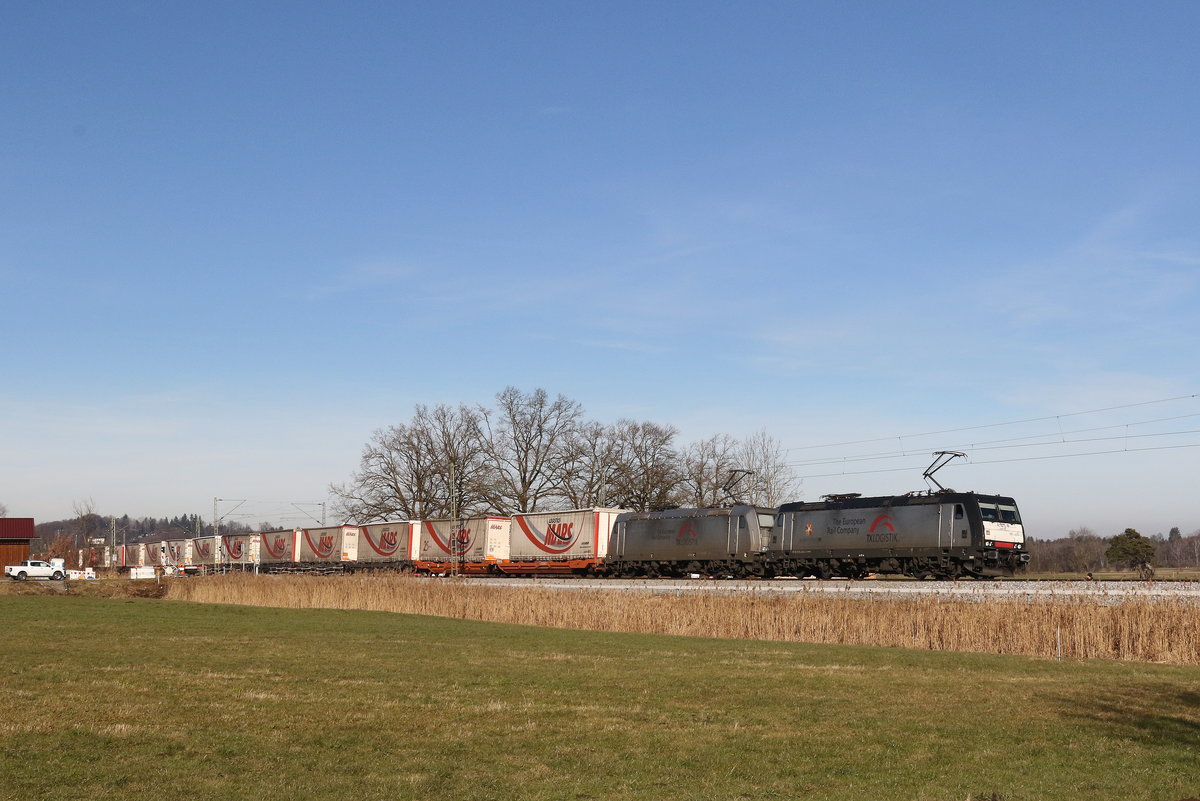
[(976, 448), (1045, 418), (972, 462)]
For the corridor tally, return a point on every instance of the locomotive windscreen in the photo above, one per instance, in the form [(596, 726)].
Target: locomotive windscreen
[(999, 512)]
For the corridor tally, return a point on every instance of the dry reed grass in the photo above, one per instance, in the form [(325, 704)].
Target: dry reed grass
[(1137, 630)]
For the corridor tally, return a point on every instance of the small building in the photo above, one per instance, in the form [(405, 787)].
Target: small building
[(16, 534)]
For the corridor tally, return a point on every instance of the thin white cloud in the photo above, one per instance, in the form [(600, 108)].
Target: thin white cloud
[(364, 276), (633, 347), (1174, 257)]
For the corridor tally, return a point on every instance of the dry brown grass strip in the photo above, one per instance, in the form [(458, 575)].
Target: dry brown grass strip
[(1137, 630)]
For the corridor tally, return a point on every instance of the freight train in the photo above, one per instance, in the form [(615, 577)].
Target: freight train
[(937, 534)]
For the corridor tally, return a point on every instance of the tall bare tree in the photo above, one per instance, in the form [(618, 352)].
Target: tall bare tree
[(533, 453), (86, 526), (393, 474), (430, 467), (771, 481), (588, 471), (462, 484), (647, 475), (3, 510), (1086, 550), (527, 438), (707, 466)]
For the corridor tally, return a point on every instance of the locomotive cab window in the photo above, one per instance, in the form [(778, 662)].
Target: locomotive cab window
[(766, 521), (989, 512), (1009, 514), (958, 511)]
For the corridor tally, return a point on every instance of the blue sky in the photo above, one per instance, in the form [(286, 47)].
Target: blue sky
[(236, 238)]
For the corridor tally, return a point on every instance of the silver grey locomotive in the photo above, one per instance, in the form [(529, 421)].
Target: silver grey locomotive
[(940, 534), (682, 542)]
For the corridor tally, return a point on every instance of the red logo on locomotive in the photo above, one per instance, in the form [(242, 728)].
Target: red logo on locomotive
[(687, 531), (884, 520)]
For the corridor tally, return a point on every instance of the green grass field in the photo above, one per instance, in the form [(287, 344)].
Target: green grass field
[(148, 699)]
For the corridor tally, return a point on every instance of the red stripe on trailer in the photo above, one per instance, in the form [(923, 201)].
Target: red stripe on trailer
[(321, 549), (279, 541), (436, 539), (382, 549), (534, 539), (466, 545)]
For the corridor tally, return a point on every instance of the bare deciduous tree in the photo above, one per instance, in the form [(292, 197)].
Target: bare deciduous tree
[(772, 482), (1087, 550), (392, 474), (527, 438), (707, 467), (431, 467), (86, 525), (533, 453), (647, 474), (589, 466)]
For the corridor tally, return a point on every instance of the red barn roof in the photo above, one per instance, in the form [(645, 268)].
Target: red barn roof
[(17, 528)]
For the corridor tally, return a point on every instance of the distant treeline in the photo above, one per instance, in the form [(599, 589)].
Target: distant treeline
[(1083, 551), (89, 526)]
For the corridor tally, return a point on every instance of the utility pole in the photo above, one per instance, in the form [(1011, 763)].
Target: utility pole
[(220, 556), (454, 549)]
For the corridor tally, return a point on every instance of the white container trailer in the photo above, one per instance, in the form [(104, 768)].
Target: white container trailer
[(277, 547), (152, 554), (240, 549), (322, 545), (473, 543), (175, 552), (574, 541), (380, 542), (205, 552)]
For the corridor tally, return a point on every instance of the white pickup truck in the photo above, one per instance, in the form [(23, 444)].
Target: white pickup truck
[(35, 568)]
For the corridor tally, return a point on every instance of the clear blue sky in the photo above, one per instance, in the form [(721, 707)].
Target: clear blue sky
[(237, 237)]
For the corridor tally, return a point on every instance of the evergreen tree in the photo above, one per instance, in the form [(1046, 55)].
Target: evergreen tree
[(1130, 549)]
